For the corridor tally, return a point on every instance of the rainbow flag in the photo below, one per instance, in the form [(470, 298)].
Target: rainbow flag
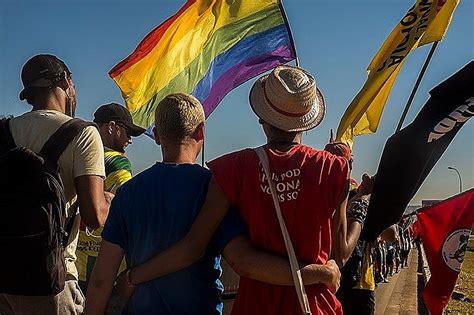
[(206, 49)]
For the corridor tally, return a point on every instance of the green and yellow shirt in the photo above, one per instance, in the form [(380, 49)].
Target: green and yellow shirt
[(118, 170)]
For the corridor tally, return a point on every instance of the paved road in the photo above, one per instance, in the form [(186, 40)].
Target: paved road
[(399, 296)]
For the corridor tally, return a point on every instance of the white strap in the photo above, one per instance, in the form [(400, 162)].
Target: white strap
[(295, 270)]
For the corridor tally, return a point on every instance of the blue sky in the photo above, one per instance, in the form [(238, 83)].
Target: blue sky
[(336, 39)]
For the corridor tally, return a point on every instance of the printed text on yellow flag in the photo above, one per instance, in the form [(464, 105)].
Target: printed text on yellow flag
[(427, 21)]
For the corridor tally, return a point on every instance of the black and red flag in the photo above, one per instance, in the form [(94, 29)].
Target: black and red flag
[(411, 153), (444, 229)]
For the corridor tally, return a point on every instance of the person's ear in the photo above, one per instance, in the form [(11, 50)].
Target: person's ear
[(63, 81), (199, 133), (156, 136), (111, 126)]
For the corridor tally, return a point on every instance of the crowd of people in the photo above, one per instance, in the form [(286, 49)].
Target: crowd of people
[(389, 257), (152, 243), (372, 263)]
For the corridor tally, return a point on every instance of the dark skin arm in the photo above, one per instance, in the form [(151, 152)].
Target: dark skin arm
[(240, 253), (255, 264), (103, 277), (341, 246), (242, 256), (189, 249), (346, 237), (94, 203), (249, 262), (353, 232)]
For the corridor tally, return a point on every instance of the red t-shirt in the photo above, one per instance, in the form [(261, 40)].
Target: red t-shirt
[(309, 183)]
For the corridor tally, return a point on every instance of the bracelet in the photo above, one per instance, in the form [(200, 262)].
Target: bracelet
[(357, 210), (127, 277)]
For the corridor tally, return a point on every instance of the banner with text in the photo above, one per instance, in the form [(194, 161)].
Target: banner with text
[(427, 21), (410, 154)]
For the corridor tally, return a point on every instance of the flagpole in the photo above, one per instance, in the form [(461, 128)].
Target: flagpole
[(290, 32), (417, 84), (202, 153), (410, 214)]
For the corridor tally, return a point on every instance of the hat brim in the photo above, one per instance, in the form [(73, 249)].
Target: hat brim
[(135, 130), (37, 83), (265, 111)]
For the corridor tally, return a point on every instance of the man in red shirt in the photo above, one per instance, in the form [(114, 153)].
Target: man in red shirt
[(312, 188)]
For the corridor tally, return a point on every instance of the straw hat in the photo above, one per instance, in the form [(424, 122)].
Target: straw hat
[(288, 99)]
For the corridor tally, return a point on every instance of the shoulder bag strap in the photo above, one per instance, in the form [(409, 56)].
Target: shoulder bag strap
[(295, 270), (57, 143), (6, 138)]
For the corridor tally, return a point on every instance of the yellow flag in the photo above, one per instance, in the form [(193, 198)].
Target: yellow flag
[(427, 21)]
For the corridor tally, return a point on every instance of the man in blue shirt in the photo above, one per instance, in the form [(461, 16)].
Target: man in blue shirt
[(157, 208)]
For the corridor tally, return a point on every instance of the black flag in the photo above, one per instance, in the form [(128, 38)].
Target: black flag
[(410, 154)]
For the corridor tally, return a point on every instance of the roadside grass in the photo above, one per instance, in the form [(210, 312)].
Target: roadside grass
[(465, 286)]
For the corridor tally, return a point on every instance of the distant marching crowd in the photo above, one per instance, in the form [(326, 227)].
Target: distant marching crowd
[(82, 235), (390, 257)]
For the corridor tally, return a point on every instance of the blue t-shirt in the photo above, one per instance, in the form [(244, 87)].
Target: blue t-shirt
[(151, 212)]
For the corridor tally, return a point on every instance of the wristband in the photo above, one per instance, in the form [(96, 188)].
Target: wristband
[(357, 210)]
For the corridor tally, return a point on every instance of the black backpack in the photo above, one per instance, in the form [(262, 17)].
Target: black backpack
[(33, 232)]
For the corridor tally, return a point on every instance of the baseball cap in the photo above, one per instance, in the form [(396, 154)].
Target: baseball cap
[(41, 71), (120, 114)]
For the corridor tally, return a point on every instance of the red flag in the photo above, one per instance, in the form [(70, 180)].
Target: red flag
[(445, 228)]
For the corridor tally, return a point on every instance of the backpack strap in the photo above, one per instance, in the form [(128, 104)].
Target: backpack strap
[(70, 223), (57, 143), (6, 138)]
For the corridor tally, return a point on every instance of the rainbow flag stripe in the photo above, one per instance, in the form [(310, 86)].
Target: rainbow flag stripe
[(207, 48)]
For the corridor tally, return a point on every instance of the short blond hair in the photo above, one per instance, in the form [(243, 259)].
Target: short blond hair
[(177, 116)]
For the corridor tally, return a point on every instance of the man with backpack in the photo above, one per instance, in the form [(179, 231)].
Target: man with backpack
[(47, 158)]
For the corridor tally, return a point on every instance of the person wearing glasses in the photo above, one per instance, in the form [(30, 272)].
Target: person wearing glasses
[(116, 129)]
